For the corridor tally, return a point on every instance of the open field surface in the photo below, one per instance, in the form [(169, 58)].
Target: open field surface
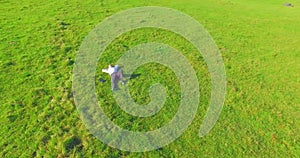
[(259, 42)]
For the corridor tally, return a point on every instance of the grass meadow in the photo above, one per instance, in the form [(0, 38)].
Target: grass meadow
[(259, 42)]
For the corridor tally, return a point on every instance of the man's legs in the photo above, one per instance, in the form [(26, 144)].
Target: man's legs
[(114, 81), (120, 75)]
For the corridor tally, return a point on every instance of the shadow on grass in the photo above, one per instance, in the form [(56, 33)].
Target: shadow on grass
[(131, 76)]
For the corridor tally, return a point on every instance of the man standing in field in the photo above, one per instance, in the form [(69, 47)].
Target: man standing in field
[(116, 75)]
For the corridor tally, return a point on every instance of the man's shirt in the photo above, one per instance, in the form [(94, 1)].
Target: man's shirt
[(110, 69)]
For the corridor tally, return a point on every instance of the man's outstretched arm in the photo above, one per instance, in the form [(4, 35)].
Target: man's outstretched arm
[(105, 70)]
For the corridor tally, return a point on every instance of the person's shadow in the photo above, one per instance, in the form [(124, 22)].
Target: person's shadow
[(126, 76), (130, 76)]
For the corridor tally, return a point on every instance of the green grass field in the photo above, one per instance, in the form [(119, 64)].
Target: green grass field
[(260, 46)]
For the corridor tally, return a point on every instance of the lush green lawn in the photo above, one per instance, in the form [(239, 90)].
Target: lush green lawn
[(259, 42)]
